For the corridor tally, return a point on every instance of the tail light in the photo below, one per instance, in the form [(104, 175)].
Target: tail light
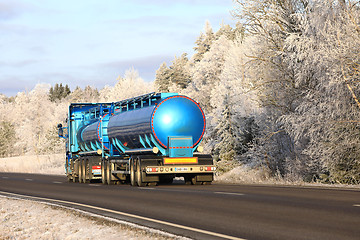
[(152, 169)]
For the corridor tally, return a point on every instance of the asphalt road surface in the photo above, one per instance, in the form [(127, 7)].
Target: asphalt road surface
[(210, 211)]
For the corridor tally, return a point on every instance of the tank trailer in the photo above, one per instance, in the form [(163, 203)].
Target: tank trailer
[(145, 140)]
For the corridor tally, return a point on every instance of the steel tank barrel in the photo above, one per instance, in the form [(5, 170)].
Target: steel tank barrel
[(89, 133), (173, 116), (89, 136)]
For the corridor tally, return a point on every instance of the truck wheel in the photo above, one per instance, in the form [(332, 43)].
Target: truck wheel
[(187, 180), (139, 181), (86, 171), (76, 171), (75, 179), (69, 178), (80, 171), (194, 182), (108, 173), (103, 172), (132, 173), (83, 171)]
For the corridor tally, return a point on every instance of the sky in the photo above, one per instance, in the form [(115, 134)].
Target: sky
[(92, 42)]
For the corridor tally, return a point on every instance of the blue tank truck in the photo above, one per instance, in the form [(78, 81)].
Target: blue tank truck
[(145, 140)]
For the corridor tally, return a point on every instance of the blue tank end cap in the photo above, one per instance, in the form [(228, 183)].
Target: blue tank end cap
[(178, 116)]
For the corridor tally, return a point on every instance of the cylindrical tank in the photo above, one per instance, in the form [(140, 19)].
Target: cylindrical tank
[(89, 135), (91, 132), (173, 116)]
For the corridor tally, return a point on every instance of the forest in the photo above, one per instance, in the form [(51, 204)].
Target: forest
[(280, 92)]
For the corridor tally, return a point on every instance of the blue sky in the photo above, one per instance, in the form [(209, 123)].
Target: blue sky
[(91, 42)]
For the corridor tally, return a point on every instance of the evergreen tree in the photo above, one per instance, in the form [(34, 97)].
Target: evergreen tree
[(206, 73), (66, 91), (58, 92), (7, 138), (203, 42), (227, 31), (162, 78), (179, 74), (230, 144), (89, 94)]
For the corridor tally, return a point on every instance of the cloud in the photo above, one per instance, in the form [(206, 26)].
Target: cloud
[(19, 64), (146, 66), (7, 11), (10, 85), (11, 9)]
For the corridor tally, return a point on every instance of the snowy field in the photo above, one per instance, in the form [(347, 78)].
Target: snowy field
[(44, 164), (17, 219)]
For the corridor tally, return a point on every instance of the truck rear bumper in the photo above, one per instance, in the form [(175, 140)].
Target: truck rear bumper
[(177, 169)]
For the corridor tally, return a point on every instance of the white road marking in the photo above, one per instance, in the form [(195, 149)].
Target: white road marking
[(5, 177), (94, 185), (356, 205), (28, 179), (57, 182), (133, 216), (148, 188), (230, 193)]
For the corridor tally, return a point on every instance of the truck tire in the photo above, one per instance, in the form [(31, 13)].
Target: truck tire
[(69, 178), (194, 182), (75, 173), (83, 171), (86, 171), (80, 172), (132, 173), (103, 172), (108, 173), (139, 179)]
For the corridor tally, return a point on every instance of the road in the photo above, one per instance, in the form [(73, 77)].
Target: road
[(208, 212)]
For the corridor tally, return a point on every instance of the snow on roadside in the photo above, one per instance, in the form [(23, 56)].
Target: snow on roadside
[(247, 175), (43, 164), (26, 219)]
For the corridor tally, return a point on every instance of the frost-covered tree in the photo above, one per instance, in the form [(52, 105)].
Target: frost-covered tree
[(162, 78), (268, 23), (326, 61), (234, 107), (304, 67), (225, 130), (176, 77), (205, 74), (179, 73), (88, 94), (131, 85), (204, 42), (32, 114), (229, 32), (7, 138)]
